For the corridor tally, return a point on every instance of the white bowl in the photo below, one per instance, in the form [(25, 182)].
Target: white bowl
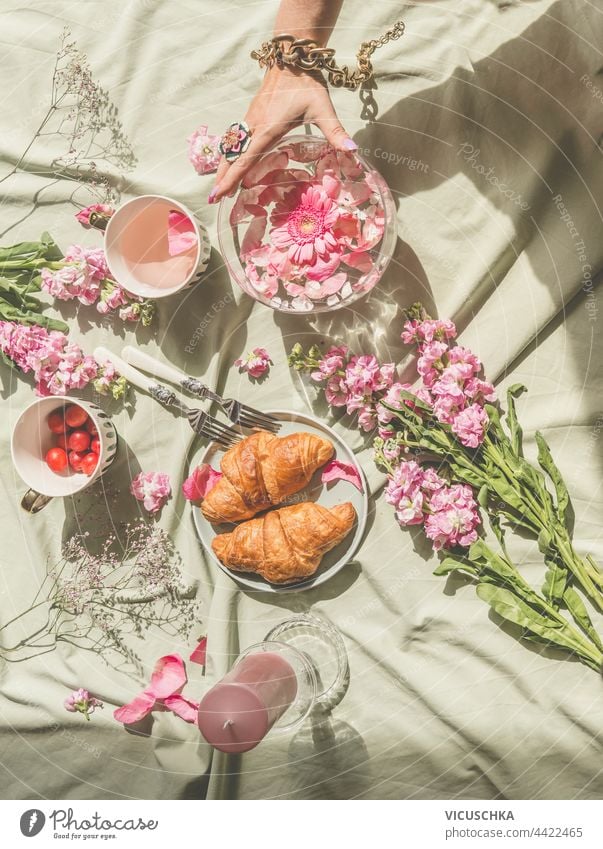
[(138, 261), (31, 439)]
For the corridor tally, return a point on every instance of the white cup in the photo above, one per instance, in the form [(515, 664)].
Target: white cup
[(135, 247), (32, 438)]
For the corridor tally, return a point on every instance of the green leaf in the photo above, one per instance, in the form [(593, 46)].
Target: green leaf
[(555, 581), (514, 392), (544, 540), (496, 526), (52, 252), (546, 461), (514, 609), (482, 496), (576, 607), (451, 564)]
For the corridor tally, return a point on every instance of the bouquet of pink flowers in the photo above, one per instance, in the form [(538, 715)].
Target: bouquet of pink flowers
[(82, 274), (446, 454), (58, 365), (307, 224)]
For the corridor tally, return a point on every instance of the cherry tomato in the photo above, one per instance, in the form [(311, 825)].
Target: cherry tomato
[(95, 445), (75, 460), (56, 459), (89, 463), (61, 441), (91, 427), (75, 416), (78, 440), (56, 421)]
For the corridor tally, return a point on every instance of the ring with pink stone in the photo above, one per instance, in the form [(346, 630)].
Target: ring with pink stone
[(235, 141)]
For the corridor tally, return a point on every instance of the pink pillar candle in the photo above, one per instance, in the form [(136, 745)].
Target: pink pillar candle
[(241, 709)]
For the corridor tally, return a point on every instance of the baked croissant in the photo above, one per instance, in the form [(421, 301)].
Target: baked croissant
[(262, 471), (287, 544)]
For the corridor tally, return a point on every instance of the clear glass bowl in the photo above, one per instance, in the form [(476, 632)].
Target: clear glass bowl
[(310, 230)]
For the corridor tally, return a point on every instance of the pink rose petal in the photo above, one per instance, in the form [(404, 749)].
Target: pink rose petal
[(168, 676), (337, 471), (199, 654), (270, 162), (182, 707), (181, 233), (136, 710), (200, 482)]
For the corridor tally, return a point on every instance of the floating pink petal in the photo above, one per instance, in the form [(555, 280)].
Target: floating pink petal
[(182, 707), (199, 654), (330, 286), (338, 471), (135, 710), (256, 229), (181, 233), (270, 162), (360, 260), (200, 482)]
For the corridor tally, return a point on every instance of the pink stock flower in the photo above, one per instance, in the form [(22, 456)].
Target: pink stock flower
[(257, 363), (80, 277), (203, 151), (102, 210), (332, 362), (409, 508), (336, 391), (454, 517), (57, 364), (80, 701), (404, 479), (112, 297), (418, 332), (362, 374), (429, 363), (367, 417), (470, 425), (152, 488), (200, 482), (69, 282), (92, 260), (74, 371), (479, 390), (431, 481)]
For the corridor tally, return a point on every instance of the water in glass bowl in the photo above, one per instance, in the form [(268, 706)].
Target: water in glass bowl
[(311, 229)]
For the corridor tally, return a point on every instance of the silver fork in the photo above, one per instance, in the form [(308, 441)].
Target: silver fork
[(238, 413), (200, 421)]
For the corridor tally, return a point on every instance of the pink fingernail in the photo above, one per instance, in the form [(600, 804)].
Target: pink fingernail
[(213, 193), (350, 144)]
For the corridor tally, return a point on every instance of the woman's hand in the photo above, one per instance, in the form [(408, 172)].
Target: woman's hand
[(287, 98)]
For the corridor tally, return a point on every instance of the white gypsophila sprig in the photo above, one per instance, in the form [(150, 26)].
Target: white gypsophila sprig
[(82, 117), (107, 592)]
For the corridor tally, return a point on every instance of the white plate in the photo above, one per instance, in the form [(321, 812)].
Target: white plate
[(326, 494)]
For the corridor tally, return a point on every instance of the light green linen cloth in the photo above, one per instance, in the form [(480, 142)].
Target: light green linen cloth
[(482, 107)]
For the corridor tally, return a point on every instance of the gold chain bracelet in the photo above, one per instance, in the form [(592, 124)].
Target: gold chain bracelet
[(283, 50)]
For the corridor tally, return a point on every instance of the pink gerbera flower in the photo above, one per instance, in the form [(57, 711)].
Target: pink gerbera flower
[(308, 230)]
